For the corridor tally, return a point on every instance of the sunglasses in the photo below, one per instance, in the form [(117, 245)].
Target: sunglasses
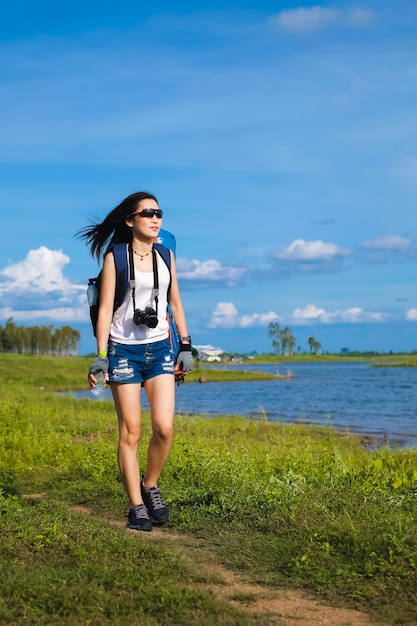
[(148, 213)]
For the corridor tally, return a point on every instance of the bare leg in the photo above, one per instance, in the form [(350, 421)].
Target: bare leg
[(127, 402), (161, 395)]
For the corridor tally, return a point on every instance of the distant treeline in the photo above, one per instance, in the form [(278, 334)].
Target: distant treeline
[(38, 339)]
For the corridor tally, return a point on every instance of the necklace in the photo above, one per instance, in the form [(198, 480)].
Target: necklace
[(142, 256)]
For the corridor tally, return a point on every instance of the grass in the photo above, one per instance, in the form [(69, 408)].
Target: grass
[(325, 358), (403, 361), (222, 374), (289, 505)]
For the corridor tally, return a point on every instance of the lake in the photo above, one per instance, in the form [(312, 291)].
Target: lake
[(376, 401)]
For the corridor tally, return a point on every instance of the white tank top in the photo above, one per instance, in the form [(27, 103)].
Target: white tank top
[(123, 329)]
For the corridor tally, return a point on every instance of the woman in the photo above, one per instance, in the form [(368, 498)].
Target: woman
[(134, 348)]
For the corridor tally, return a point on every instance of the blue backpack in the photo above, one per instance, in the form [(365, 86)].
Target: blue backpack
[(120, 253)]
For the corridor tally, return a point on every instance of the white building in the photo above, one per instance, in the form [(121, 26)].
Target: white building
[(209, 353)]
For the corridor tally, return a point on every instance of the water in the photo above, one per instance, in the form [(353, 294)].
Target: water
[(376, 401)]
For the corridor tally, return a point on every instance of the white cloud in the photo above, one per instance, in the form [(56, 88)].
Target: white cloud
[(300, 250), (35, 289), (258, 319), (411, 315), (304, 19), (65, 315), (353, 315), (391, 242), (40, 272), (226, 315), (210, 271), (310, 312)]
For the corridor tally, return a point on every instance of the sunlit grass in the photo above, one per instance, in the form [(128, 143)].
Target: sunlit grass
[(290, 505)]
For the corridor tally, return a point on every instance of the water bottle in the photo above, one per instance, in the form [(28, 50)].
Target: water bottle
[(92, 292), (100, 387)]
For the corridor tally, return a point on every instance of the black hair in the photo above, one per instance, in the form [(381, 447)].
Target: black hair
[(113, 229)]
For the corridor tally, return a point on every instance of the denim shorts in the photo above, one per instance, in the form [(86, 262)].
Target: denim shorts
[(137, 363)]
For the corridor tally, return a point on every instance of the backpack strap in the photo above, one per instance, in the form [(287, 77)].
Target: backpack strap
[(166, 255), (121, 263), (122, 283)]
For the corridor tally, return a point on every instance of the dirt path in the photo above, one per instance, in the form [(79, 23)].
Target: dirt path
[(284, 607)]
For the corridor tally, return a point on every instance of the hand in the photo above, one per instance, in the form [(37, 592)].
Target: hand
[(101, 364), (179, 374), (185, 358)]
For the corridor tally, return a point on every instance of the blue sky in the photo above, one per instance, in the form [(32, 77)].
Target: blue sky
[(279, 137)]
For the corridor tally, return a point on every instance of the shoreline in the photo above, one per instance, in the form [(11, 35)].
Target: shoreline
[(371, 439)]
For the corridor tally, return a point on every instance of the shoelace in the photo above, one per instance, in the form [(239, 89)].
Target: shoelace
[(156, 498), (140, 512)]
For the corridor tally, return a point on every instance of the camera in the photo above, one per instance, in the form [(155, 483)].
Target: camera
[(148, 317)]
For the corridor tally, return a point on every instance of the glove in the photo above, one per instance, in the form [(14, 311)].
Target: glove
[(100, 365), (185, 357)]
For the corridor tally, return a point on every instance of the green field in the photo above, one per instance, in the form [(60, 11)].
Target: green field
[(287, 506)]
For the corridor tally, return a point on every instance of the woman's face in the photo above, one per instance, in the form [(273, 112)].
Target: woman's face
[(146, 221)]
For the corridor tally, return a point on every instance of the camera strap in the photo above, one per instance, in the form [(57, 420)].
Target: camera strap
[(155, 277)]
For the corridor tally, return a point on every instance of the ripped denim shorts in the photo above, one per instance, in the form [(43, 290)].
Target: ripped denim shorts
[(137, 363)]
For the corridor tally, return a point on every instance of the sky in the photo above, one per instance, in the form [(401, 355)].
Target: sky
[(280, 139)]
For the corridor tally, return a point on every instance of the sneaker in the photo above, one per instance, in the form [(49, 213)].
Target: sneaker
[(139, 519), (157, 508)]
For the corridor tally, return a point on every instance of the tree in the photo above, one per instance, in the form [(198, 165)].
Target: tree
[(274, 331), (314, 345), (287, 341), (10, 336), (38, 339), (283, 340)]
